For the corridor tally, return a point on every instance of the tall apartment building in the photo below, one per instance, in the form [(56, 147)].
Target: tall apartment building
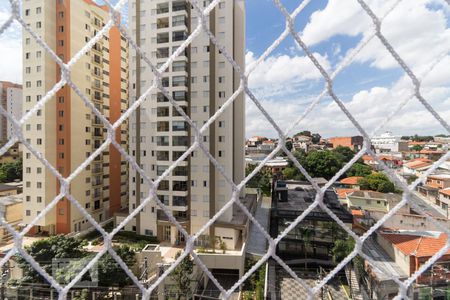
[(65, 130), (200, 80), (11, 101)]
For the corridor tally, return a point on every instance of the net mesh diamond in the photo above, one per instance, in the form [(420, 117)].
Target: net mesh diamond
[(328, 90)]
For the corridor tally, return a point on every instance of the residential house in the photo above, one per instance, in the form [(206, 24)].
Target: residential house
[(11, 210), (391, 161), (353, 142), (444, 200), (301, 142), (350, 182), (375, 201), (411, 249), (416, 167), (433, 184)]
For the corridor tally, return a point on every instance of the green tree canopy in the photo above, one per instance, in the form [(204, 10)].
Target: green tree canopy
[(315, 138), (322, 164), (64, 247), (377, 182), (182, 276), (359, 169), (344, 153), (11, 171), (262, 179), (416, 147), (342, 248)]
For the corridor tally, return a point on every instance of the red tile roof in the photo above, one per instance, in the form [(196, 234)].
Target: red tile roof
[(350, 180), (445, 191), (342, 193), (416, 245), (357, 213)]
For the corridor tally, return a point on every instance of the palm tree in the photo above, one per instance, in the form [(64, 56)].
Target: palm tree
[(306, 234)]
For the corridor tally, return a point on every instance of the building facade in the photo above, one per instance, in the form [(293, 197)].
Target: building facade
[(387, 142), (65, 131), (200, 80), (353, 142), (11, 101)]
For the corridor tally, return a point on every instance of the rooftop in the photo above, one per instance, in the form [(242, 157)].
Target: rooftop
[(351, 180), (300, 197), (417, 243), (11, 199)]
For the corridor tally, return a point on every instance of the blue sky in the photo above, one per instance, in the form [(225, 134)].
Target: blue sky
[(371, 86)]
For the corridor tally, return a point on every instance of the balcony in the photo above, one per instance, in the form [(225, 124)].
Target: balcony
[(178, 154), (179, 36), (162, 126), (179, 21), (162, 155), (175, 112), (163, 185), (180, 186), (179, 126), (162, 111), (162, 53), (161, 98), (179, 216), (162, 23), (161, 169), (162, 8), (179, 66), (179, 81), (162, 140), (162, 38), (180, 96), (181, 171), (180, 141), (179, 201), (179, 6), (165, 82)]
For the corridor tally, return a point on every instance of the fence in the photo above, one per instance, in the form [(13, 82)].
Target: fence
[(64, 291)]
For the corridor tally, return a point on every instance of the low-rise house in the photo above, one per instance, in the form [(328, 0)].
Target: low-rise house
[(433, 184), (8, 189), (416, 167), (350, 182), (411, 249), (444, 200), (353, 142), (375, 201), (301, 142), (277, 165), (11, 209), (392, 161)]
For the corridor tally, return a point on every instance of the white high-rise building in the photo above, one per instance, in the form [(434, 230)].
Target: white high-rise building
[(200, 80), (11, 101)]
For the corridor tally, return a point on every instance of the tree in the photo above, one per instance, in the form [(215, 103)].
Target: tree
[(315, 138), (110, 273), (377, 182), (181, 276), (43, 251), (322, 164), (304, 132), (289, 145), (11, 171), (261, 180), (360, 170), (416, 147), (342, 248), (344, 153), (306, 234), (64, 247)]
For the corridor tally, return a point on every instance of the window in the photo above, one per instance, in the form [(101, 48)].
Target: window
[(38, 25), (206, 63), (221, 65), (39, 83), (38, 10), (221, 138), (221, 94), (38, 54), (149, 232), (221, 153), (193, 212), (205, 78), (39, 185), (39, 141), (39, 199), (28, 212), (221, 19), (221, 124), (205, 48), (222, 5)]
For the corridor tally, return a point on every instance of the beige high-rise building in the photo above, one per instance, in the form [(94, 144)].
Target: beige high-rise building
[(11, 101), (200, 80), (65, 131)]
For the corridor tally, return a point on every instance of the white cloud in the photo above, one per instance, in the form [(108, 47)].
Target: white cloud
[(417, 30), (11, 49)]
